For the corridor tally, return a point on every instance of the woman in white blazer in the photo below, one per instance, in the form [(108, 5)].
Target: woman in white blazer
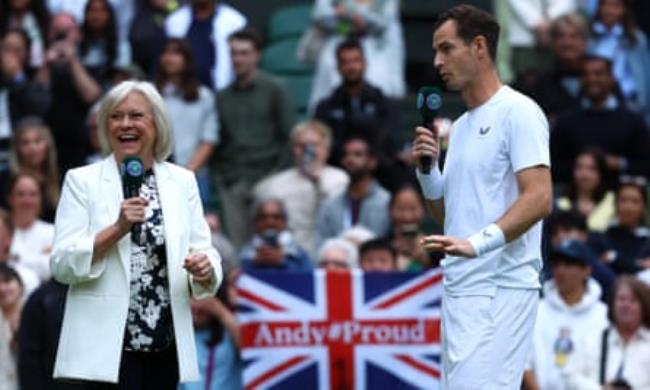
[(127, 317)]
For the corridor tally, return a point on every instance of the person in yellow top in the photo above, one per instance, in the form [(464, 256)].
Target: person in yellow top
[(588, 192)]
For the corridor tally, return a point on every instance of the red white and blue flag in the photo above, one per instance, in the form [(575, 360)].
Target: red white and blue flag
[(340, 330)]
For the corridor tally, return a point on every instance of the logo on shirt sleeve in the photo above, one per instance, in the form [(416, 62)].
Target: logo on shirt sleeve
[(484, 130)]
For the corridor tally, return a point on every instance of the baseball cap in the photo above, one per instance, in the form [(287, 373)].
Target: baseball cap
[(571, 251)]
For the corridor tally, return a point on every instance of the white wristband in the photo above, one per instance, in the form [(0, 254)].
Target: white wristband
[(488, 239), (433, 185)]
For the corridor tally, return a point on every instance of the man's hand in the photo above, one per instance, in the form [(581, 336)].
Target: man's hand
[(449, 245), (199, 266), (269, 255), (61, 53), (426, 143)]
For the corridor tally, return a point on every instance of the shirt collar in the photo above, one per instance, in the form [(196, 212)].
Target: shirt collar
[(600, 29), (643, 335), (251, 84), (610, 104)]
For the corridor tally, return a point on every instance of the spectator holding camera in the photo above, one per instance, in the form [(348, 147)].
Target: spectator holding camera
[(75, 89), (306, 185), (406, 216), (273, 246), (618, 357)]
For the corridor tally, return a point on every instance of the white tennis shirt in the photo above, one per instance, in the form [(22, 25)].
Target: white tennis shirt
[(487, 146)]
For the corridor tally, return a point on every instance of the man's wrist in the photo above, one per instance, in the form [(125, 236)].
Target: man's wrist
[(487, 239), (432, 185)]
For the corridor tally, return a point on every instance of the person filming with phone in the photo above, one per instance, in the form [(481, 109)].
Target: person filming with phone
[(273, 246), (306, 185)]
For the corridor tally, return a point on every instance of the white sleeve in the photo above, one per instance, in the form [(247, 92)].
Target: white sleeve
[(529, 12), (528, 136), (558, 8), (210, 131), (72, 249), (201, 242)]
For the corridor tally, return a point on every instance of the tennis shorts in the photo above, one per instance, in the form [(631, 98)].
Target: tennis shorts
[(486, 341)]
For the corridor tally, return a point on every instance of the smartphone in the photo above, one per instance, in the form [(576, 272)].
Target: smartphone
[(308, 156), (270, 237)]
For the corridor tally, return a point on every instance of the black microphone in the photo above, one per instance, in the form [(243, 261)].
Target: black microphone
[(132, 172), (429, 101)]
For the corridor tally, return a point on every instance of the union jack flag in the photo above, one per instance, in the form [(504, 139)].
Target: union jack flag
[(340, 330)]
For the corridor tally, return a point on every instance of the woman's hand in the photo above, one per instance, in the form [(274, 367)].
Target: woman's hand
[(132, 211), (199, 266)]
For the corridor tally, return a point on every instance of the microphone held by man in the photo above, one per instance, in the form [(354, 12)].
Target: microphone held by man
[(429, 101)]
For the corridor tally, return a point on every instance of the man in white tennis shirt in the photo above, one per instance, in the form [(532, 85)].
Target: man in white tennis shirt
[(492, 195)]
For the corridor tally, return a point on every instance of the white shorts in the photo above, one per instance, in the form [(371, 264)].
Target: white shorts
[(486, 340)]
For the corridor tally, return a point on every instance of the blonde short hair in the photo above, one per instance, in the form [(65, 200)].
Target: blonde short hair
[(571, 20), (312, 125), (164, 141)]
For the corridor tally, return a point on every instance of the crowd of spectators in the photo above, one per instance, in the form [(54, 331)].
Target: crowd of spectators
[(333, 189)]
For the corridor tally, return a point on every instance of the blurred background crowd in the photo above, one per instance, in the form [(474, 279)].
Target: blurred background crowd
[(297, 117)]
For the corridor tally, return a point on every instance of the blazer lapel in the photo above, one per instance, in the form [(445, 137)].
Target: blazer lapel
[(111, 193), (171, 205)]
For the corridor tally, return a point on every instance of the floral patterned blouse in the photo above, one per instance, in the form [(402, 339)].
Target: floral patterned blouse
[(149, 325)]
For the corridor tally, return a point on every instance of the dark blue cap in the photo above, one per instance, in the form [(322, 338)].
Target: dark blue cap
[(571, 251)]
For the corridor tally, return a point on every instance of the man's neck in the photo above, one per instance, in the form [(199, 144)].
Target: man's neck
[(359, 189), (246, 79), (569, 66), (599, 103), (354, 89), (204, 11), (481, 89), (573, 297)]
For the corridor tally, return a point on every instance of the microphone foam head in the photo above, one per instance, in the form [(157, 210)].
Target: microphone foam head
[(429, 101), (132, 167)]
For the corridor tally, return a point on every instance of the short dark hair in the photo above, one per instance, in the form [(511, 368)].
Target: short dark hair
[(566, 220), (349, 44), (470, 23), (358, 135), (594, 57), (248, 34), (638, 183), (8, 272), (378, 244)]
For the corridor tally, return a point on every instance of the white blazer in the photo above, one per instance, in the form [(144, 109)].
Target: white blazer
[(227, 20), (90, 346)]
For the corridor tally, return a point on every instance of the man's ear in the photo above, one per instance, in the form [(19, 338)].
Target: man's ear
[(479, 47)]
